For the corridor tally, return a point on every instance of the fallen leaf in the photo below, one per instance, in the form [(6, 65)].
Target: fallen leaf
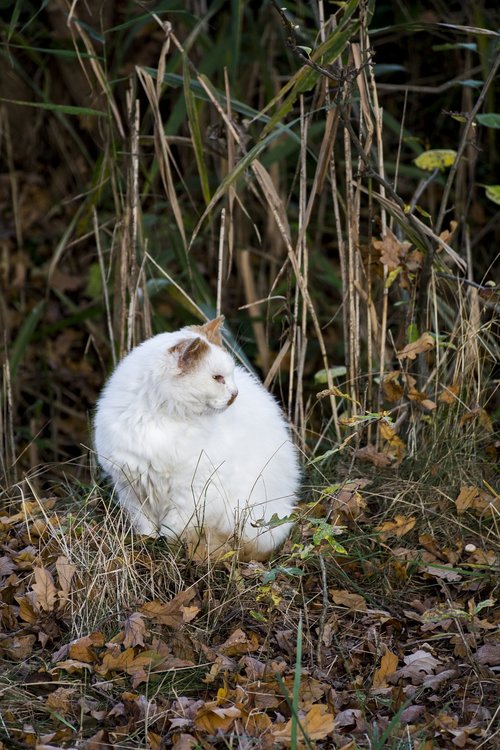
[(354, 602), (172, 613), (83, 649), (19, 647), (155, 741), (411, 714), (135, 630), (318, 723), (418, 665), (185, 742), (7, 566), (238, 643), (60, 700), (489, 654), (400, 526), (213, 719), (65, 572), (372, 455), (424, 343), (444, 572), (395, 446), (388, 665), (436, 680), (472, 498), (346, 501), (45, 590)]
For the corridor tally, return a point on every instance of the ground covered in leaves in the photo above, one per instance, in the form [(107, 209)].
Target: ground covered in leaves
[(367, 630)]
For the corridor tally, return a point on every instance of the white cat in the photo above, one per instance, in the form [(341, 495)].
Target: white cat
[(196, 447)]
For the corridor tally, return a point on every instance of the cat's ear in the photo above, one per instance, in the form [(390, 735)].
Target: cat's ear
[(212, 330), (189, 352)]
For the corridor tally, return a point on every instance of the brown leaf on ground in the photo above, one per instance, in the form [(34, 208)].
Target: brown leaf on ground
[(318, 723), (26, 610), (65, 573), (489, 654), (185, 742), (372, 455), (418, 665), (19, 647), (346, 502), (61, 699), (423, 344), (83, 649), (174, 613), (7, 566), (346, 599), (238, 643), (388, 665), (45, 590), (214, 719), (400, 526), (473, 498), (477, 415), (444, 572), (135, 630)]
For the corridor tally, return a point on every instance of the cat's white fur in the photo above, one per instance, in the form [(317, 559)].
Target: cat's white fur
[(195, 446)]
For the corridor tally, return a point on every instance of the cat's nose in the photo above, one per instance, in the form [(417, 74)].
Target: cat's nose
[(233, 397)]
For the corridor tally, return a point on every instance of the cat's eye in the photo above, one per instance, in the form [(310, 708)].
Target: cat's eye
[(219, 378)]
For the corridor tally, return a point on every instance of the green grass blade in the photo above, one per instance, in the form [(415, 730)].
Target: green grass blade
[(233, 176), (66, 109), (194, 125), (24, 336)]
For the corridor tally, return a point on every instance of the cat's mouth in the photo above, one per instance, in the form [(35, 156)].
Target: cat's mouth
[(232, 399)]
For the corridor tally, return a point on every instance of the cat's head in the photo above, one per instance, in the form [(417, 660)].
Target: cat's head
[(202, 372)]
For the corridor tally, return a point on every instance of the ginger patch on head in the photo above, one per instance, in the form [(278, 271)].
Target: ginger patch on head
[(189, 352), (211, 330)]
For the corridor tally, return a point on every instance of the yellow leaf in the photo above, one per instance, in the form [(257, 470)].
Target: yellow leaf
[(388, 665), (318, 723), (396, 446), (392, 276), (214, 720), (438, 158), (399, 527), (424, 343), (493, 193)]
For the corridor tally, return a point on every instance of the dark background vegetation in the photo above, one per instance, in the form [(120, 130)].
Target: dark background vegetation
[(60, 168)]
